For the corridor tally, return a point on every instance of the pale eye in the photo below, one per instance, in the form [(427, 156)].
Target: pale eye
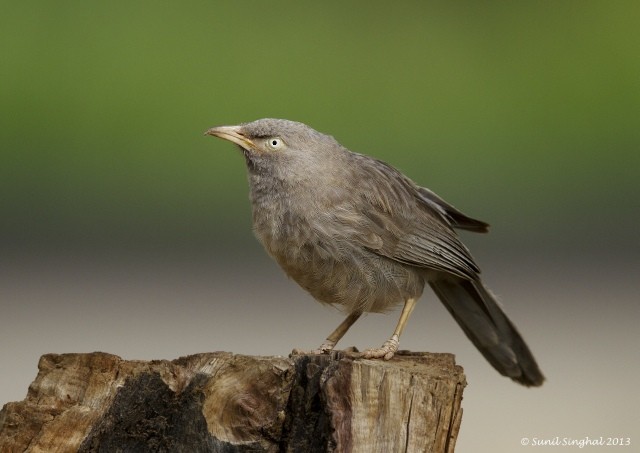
[(274, 143)]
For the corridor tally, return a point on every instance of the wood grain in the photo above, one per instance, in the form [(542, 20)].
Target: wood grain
[(222, 402)]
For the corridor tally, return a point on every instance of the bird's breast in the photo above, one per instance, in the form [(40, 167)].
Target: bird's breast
[(320, 254)]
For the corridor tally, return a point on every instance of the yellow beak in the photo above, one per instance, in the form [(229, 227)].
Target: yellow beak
[(233, 134)]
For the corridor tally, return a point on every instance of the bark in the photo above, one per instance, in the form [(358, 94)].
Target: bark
[(221, 402)]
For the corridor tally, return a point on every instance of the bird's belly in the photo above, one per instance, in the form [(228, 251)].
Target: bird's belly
[(352, 278)]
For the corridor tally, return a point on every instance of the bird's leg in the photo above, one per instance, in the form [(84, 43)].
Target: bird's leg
[(390, 347), (337, 334)]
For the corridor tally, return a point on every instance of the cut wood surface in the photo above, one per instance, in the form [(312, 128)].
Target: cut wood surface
[(222, 402)]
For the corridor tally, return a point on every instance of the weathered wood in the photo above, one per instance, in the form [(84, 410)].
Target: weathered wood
[(221, 402)]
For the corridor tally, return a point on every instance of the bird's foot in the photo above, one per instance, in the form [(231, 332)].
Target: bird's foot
[(386, 351), (325, 348)]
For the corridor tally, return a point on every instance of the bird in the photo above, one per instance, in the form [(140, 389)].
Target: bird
[(359, 235)]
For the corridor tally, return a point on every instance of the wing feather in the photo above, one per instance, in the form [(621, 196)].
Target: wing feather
[(408, 230)]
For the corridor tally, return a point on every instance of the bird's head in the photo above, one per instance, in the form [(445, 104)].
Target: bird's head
[(268, 138)]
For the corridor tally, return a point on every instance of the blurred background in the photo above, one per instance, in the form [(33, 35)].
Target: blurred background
[(124, 230)]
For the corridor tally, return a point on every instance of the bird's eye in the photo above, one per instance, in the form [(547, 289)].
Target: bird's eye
[(274, 143)]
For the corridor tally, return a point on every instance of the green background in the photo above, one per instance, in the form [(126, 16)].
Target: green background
[(524, 114)]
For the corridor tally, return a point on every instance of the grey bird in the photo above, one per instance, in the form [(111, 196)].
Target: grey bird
[(358, 234)]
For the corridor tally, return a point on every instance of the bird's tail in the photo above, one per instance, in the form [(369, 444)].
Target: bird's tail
[(477, 312)]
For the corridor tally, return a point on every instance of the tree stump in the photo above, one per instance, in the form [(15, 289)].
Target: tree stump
[(221, 402)]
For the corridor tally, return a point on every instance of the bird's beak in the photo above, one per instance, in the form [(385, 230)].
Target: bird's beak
[(233, 134)]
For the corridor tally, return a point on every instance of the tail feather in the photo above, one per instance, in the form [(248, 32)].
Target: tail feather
[(483, 321)]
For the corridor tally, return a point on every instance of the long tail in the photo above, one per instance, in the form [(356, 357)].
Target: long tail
[(486, 325)]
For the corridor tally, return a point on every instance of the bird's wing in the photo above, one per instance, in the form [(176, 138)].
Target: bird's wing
[(457, 218), (421, 241), (401, 227)]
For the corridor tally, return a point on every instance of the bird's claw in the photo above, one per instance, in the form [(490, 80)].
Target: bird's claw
[(386, 351), (325, 348)]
